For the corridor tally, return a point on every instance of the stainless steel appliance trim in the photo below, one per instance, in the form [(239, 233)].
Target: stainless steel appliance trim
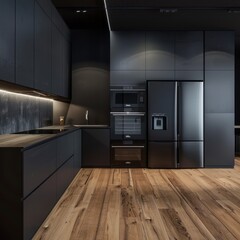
[(128, 146), (128, 113)]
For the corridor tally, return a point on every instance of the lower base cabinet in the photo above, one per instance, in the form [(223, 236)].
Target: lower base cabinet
[(25, 206)]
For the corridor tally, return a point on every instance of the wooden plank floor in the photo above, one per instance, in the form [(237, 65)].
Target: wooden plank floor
[(148, 204)]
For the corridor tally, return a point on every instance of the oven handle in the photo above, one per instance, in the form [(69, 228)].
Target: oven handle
[(127, 113), (128, 146)]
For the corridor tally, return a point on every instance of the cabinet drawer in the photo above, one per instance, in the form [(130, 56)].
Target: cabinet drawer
[(37, 206), (38, 164), (64, 148)]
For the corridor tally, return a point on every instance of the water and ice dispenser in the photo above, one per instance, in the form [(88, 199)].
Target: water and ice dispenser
[(159, 121)]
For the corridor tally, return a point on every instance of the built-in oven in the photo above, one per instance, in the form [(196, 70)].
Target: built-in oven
[(128, 125), (132, 98), (128, 154)]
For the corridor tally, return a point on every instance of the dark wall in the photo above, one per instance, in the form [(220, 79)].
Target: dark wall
[(90, 77), (21, 112)]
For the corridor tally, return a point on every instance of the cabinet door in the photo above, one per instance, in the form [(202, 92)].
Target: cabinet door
[(189, 55), (220, 50), (160, 51), (57, 56), (99, 140), (77, 151), (219, 140), (42, 50), (25, 42), (46, 6), (65, 67), (127, 50), (65, 175), (38, 164), (37, 206), (64, 148), (7, 43)]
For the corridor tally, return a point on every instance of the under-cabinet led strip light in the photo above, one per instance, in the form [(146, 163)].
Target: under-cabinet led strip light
[(106, 10), (25, 95)]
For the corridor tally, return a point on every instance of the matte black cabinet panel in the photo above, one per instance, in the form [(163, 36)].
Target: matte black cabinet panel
[(65, 67), (64, 177), (219, 140), (77, 151), (219, 91), (65, 148), (96, 148), (46, 6), (220, 50), (189, 51), (127, 50), (37, 207), (125, 78), (57, 62), (42, 50), (7, 43), (159, 51), (25, 42), (189, 75), (38, 164), (160, 75)]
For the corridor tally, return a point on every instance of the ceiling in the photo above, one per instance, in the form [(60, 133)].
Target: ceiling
[(151, 14)]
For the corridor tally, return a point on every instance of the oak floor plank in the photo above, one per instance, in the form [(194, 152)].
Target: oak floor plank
[(147, 204)]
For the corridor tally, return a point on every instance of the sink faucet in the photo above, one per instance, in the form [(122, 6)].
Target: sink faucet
[(86, 116)]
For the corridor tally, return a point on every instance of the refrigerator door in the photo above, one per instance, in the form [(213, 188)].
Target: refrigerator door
[(190, 111), (190, 155), (162, 154), (162, 108)]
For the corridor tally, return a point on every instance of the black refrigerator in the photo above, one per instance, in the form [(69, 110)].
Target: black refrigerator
[(175, 124)]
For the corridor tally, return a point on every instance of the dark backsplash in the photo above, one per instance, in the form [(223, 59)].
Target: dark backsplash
[(20, 112)]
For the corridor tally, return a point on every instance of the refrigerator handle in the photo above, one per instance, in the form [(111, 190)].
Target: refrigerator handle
[(176, 112)]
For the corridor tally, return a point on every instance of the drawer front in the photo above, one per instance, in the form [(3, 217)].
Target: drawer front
[(37, 206), (65, 175), (65, 146), (38, 164)]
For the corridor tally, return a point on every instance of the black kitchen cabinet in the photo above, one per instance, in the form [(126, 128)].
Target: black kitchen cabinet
[(37, 206), (25, 42), (219, 99), (96, 147), (43, 34), (127, 50), (65, 148), (7, 43), (65, 67), (33, 180), (126, 78), (77, 151), (219, 91), (64, 176), (46, 5), (159, 51), (219, 140), (219, 51), (189, 55)]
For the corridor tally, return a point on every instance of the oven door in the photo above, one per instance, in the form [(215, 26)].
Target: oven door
[(128, 125), (128, 155)]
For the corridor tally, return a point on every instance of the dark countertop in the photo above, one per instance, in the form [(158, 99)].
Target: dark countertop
[(26, 141)]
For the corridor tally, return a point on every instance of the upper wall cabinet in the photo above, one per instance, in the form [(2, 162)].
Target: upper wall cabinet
[(219, 50), (7, 43), (43, 38), (160, 51), (46, 5), (128, 51), (25, 42), (189, 55)]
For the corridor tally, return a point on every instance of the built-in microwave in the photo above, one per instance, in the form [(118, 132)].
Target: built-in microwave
[(128, 98)]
